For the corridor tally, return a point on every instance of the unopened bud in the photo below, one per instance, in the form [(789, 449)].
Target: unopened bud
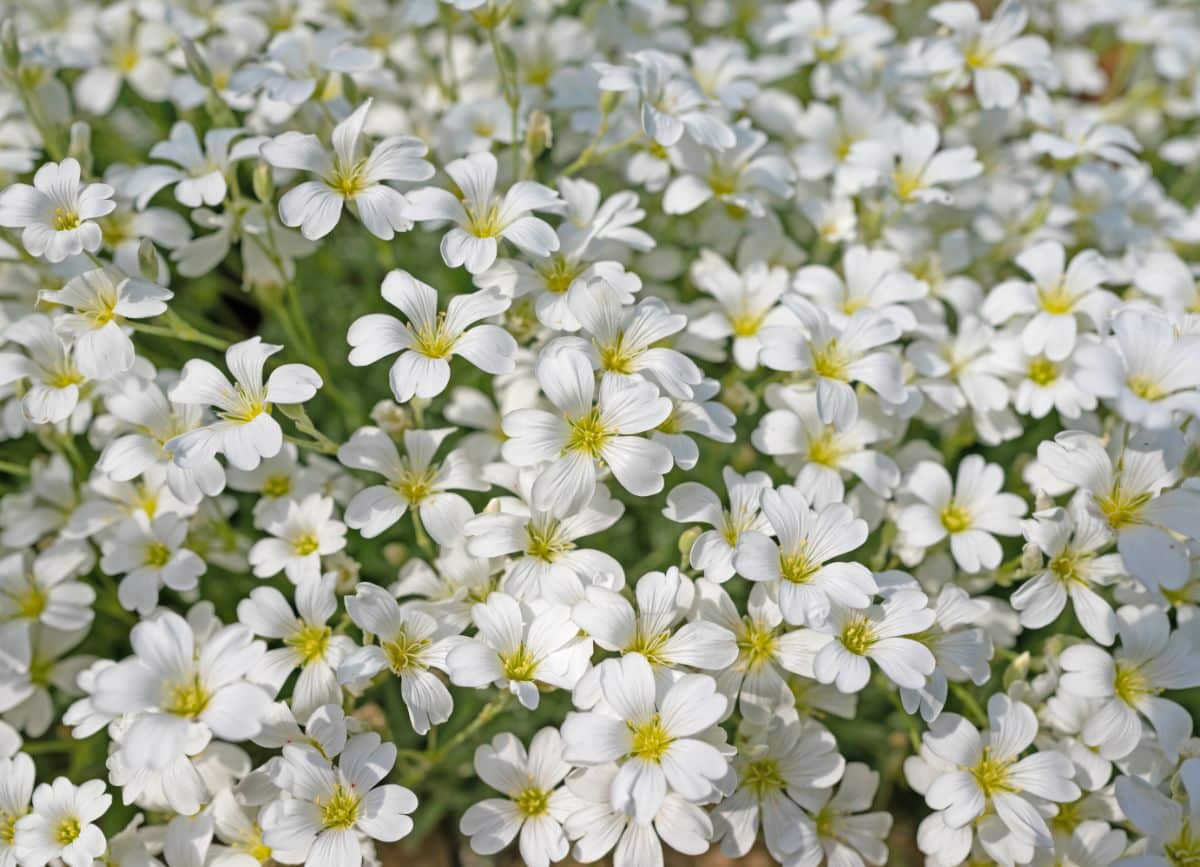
[(1031, 558), (147, 258), (196, 64), (539, 136), (80, 145), (686, 541), (395, 553), (1018, 670), (264, 183), (1043, 501), (609, 100)]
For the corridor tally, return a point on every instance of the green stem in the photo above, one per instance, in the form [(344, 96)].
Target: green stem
[(13, 469), (973, 708), (33, 748), (591, 154), (423, 540), (433, 758)]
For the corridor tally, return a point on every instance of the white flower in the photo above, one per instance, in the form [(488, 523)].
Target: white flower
[(1128, 492), (330, 805), (309, 643), (1151, 658), (873, 280), (663, 742), (303, 533), (987, 51), (348, 178), (61, 824), (177, 689), (535, 805), (663, 599), (713, 551), (55, 381), (627, 342), (1071, 540), (671, 101), (246, 433), (517, 649), (1050, 306), (429, 339), (57, 215), (748, 304), (588, 432), (481, 218), (910, 166), (410, 643), (412, 482), (18, 774), (971, 511), (43, 589), (100, 299), (794, 568), (150, 554), (1147, 368), (778, 772), (597, 827), (849, 638), (545, 562), (1169, 828), (737, 176), (202, 174), (961, 647), (837, 356), (844, 831), (986, 776)]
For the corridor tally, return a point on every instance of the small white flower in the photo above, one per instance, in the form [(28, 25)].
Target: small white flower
[(481, 218), (517, 649), (534, 806), (202, 174), (909, 165), (150, 554), (57, 215), (330, 805), (748, 304), (430, 338), (54, 380), (794, 568), (348, 178), (663, 742), (246, 433), (61, 824), (713, 551), (971, 511), (303, 533)]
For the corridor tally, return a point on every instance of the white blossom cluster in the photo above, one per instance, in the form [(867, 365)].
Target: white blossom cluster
[(764, 426)]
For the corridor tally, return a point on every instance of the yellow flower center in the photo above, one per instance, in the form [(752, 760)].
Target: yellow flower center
[(1068, 817), (1130, 683), (254, 846), (8, 827), (246, 406), (187, 699), (757, 644), (955, 518), (560, 275), (404, 653), (1057, 299), (65, 220), (310, 642), (67, 831), (1042, 371), (1068, 567), (277, 486), (543, 543), (650, 646), (588, 435), (1184, 850), (650, 740), (157, 555), (830, 362), (745, 323), (433, 340), (763, 777), (31, 603), (797, 567), (992, 774), (826, 450), (532, 802), (1122, 508), (415, 485), (858, 634), (341, 810), (306, 544), (907, 184), (64, 376), (616, 357), (519, 665), (484, 222), (723, 180), (1146, 388), (349, 180)]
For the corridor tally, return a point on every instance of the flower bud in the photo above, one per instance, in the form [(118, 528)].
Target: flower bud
[(196, 64), (80, 145), (10, 45), (264, 183), (147, 258)]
